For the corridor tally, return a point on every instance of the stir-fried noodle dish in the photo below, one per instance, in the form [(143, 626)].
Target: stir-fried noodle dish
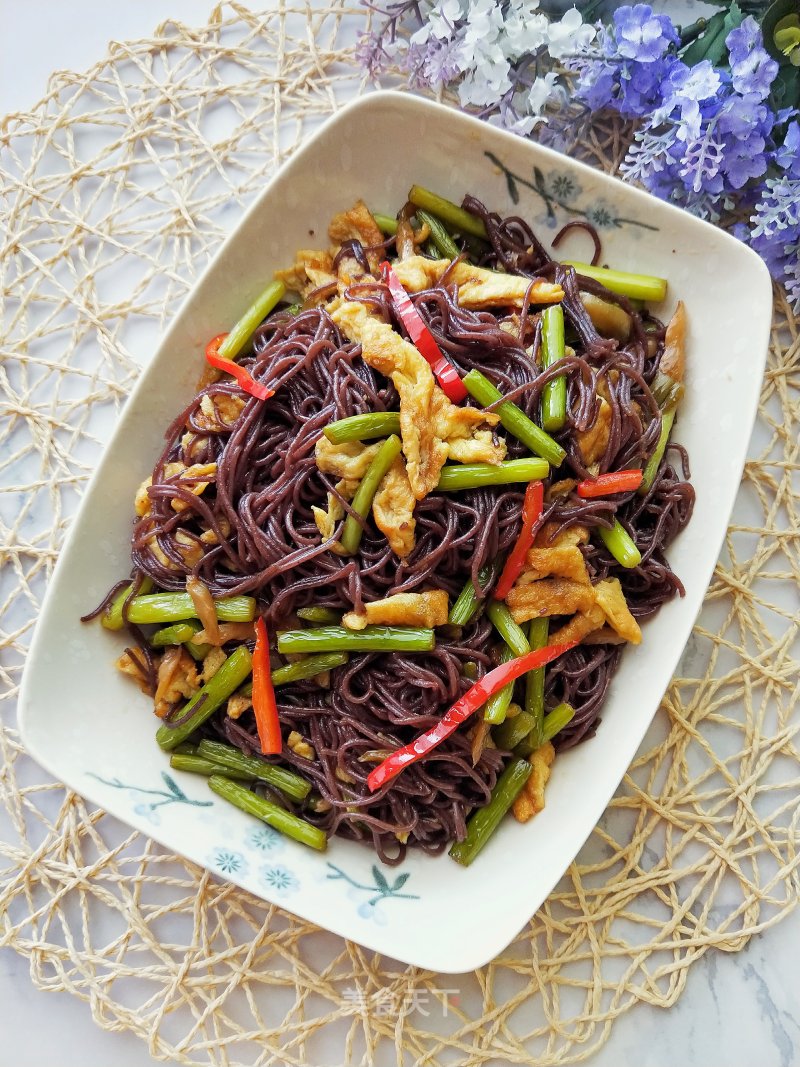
[(387, 562)]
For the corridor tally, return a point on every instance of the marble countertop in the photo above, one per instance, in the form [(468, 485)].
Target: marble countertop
[(738, 1010)]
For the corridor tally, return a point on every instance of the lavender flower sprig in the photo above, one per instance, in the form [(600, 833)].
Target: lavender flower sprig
[(713, 136), (709, 138), (503, 56)]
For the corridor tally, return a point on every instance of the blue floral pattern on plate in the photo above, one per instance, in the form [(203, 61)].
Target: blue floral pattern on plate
[(561, 191), (280, 880), (264, 839), (173, 794), (379, 892), (228, 861)]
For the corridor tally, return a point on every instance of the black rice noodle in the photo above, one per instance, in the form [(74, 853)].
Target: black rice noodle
[(252, 531)]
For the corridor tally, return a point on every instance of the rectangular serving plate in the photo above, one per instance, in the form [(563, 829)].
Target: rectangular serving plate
[(92, 730)]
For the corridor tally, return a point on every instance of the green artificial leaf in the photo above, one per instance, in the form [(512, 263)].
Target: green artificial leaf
[(775, 14), (785, 89), (710, 44), (749, 7), (697, 49), (400, 881), (734, 17)]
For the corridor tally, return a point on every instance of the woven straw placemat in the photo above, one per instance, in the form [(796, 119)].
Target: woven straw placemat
[(116, 188)]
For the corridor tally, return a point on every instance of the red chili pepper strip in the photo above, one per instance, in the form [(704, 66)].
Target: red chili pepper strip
[(473, 699), (243, 377), (616, 482), (264, 704), (531, 511), (424, 341)]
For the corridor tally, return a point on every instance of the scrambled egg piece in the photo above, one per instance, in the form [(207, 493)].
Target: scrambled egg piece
[(593, 442), (559, 557), (510, 325), (604, 636), (348, 271), (195, 471), (193, 445), (326, 519), (561, 488), (477, 287), (393, 505), (298, 744), (480, 448), (349, 460), (237, 705), (141, 501), (609, 319), (555, 581), (607, 621), (593, 607), (310, 271), (130, 664), (550, 596), (579, 627), (219, 412), (211, 664), (393, 509), (433, 429), (611, 601), (177, 678), (190, 550), (209, 537), (176, 470), (402, 609), (357, 224), (188, 546), (313, 269), (530, 800)]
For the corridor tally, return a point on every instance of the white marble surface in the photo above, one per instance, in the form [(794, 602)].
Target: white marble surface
[(739, 1010)]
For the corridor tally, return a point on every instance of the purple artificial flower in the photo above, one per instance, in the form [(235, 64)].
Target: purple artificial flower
[(686, 88), (745, 116), (598, 83), (507, 117), (743, 40), (778, 211), (435, 63), (752, 69), (701, 163), (371, 53), (641, 35), (781, 253), (787, 156), (791, 274), (641, 86), (744, 160), (775, 233), (632, 63)]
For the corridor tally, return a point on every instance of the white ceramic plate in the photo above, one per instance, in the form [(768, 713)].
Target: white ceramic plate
[(81, 719)]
